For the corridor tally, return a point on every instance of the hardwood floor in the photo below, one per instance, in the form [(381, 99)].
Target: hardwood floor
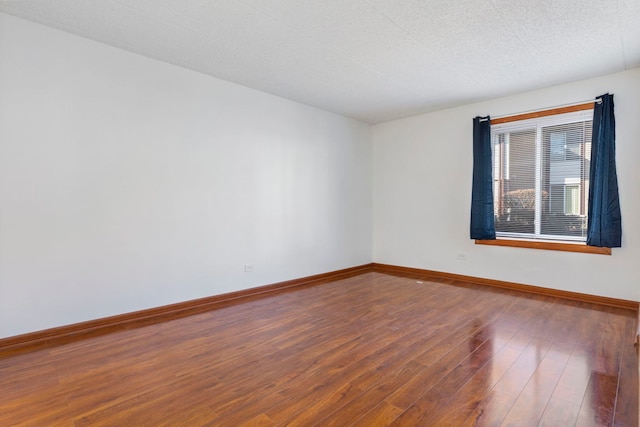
[(370, 350)]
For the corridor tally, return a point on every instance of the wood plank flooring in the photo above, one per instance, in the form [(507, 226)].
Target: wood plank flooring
[(370, 350)]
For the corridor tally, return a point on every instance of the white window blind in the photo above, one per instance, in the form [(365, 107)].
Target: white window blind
[(541, 177)]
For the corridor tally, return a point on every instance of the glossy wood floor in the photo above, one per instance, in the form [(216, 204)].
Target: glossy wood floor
[(371, 350)]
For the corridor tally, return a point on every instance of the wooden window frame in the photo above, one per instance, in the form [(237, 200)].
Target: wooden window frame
[(541, 244)]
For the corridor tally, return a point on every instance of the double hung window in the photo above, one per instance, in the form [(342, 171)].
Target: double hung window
[(541, 177)]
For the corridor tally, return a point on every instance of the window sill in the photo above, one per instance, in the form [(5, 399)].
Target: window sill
[(552, 246)]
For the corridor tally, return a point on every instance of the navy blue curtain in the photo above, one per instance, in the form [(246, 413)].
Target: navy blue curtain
[(482, 220), (604, 222)]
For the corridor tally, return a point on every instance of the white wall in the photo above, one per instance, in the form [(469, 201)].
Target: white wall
[(422, 195), (127, 183)]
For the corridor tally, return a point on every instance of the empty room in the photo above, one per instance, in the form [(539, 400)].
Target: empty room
[(319, 213)]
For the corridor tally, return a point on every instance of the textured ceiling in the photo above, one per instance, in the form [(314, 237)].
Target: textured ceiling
[(373, 60)]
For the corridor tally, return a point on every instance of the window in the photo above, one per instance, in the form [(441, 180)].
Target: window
[(541, 177)]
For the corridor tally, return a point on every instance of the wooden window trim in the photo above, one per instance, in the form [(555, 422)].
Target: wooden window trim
[(543, 113), (553, 246), (536, 244)]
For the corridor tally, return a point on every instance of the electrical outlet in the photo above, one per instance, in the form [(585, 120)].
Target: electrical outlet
[(248, 268)]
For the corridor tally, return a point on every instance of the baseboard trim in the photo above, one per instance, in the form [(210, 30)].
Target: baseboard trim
[(438, 275), (77, 331)]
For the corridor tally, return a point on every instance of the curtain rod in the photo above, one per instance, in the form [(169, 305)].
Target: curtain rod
[(598, 100)]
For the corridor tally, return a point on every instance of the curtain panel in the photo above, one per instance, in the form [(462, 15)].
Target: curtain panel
[(604, 222), (482, 213)]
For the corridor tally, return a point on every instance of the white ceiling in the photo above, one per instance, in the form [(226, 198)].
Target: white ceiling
[(373, 60)]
